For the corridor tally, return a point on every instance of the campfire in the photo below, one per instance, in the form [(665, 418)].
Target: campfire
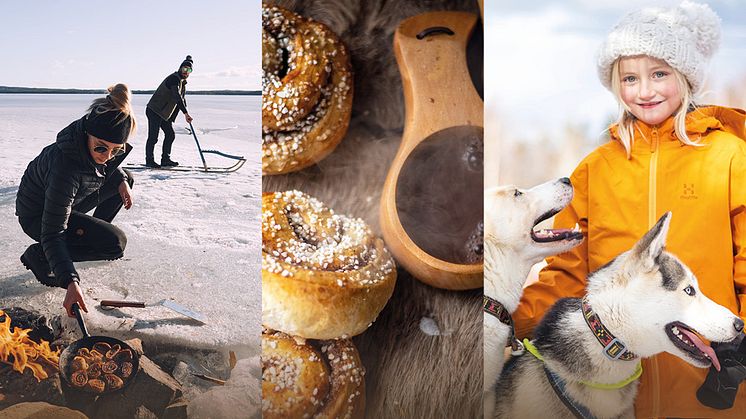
[(30, 373), (20, 352)]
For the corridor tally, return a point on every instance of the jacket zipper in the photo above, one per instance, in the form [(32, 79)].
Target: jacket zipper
[(652, 180)]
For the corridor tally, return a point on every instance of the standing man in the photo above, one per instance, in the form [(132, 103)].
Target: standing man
[(161, 111)]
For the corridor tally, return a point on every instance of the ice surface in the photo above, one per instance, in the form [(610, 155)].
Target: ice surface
[(192, 237), (239, 398)]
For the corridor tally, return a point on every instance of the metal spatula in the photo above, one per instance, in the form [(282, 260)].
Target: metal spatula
[(165, 303)]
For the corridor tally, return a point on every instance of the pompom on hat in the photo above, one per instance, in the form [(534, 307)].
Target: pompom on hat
[(188, 62), (685, 37)]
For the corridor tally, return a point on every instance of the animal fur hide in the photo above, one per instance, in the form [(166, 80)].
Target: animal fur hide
[(423, 355)]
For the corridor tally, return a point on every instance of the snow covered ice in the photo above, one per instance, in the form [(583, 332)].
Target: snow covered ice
[(192, 237), (238, 398)]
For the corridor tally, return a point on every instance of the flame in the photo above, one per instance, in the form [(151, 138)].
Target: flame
[(18, 350)]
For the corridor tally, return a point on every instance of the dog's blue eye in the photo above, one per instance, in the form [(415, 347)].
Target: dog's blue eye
[(689, 290), (517, 193)]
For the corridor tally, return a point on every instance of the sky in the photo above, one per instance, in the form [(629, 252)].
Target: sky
[(91, 45), (540, 72)]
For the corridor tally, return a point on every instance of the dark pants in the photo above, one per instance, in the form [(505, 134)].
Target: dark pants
[(90, 237), (155, 124)]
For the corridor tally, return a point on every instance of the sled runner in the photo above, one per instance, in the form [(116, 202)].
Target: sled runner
[(240, 160)]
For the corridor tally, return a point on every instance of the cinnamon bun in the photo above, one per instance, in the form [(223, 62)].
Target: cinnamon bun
[(306, 91), (309, 378), (324, 275)]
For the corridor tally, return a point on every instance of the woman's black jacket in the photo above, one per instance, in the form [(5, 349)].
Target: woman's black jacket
[(58, 179)]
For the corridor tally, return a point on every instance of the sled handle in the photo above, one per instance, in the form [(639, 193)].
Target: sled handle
[(201, 155)]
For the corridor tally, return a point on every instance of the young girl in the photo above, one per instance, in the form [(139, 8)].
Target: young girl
[(66, 180), (665, 154)]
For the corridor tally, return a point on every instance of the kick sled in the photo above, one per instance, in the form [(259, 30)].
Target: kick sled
[(238, 161)]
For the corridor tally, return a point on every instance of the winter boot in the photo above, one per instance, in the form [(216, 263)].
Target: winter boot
[(152, 164), (149, 150), (167, 162), (35, 261)]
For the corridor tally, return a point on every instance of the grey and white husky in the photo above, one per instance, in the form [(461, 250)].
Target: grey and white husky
[(642, 303)]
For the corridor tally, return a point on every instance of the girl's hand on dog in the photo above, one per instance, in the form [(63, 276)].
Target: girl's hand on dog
[(126, 193), (74, 295)]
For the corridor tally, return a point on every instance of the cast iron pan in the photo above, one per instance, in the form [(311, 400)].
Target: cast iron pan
[(67, 355)]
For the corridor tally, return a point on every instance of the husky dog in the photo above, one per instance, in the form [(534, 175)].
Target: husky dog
[(642, 303), (511, 248)]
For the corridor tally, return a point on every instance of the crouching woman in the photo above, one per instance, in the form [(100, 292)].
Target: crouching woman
[(77, 173)]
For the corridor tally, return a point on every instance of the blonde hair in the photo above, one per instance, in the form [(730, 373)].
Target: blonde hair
[(118, 100), (626, 120)]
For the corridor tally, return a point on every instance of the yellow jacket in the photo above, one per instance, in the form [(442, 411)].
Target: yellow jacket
[(617, 200)]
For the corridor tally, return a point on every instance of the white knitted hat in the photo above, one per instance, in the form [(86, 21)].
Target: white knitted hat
[(685, 37)]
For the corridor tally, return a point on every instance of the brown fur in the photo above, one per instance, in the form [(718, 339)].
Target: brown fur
[(409, 373)]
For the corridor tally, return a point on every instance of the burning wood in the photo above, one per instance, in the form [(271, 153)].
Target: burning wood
[(20, 352)]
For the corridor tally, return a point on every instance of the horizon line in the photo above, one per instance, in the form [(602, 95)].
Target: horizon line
[(41, 90)]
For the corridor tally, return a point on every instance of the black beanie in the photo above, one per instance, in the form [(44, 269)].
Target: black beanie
[(108, 126), (187, 62)]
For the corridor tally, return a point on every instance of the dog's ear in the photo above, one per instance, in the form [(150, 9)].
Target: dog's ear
[(652, 243)]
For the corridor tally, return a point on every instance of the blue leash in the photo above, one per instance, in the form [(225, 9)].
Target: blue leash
[(558, 385)]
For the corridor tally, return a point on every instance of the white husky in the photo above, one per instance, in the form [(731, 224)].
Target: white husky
[(511, 248), (642, 303)]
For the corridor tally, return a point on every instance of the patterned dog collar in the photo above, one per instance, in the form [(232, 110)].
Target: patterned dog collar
[(613, 347), (495, 308)]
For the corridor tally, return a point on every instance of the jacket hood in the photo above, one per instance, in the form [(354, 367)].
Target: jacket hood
[(700, 122), (72, 142), (730, 120)]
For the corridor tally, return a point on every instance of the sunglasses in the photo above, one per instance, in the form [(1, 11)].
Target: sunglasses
[(187, 69), (115, 151)]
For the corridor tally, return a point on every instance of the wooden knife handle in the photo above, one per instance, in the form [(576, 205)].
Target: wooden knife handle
[(116, 303)]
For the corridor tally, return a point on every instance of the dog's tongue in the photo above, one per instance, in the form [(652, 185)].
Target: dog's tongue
[(702, 347)]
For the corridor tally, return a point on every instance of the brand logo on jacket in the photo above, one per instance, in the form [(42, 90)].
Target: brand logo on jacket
[(688, 192)]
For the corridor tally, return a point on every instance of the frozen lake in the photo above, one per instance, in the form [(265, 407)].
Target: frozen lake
[(192, 237)]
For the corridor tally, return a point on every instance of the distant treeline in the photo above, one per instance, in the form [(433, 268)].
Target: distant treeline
[(38, 90)]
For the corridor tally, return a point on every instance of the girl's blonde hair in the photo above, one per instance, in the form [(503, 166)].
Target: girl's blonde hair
[(626, 121), (118, 100)]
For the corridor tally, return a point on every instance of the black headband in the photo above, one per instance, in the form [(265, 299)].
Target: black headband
[(108, 126)]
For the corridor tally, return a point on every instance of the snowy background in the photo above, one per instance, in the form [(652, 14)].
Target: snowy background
[(544, 106), (192, 237)]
